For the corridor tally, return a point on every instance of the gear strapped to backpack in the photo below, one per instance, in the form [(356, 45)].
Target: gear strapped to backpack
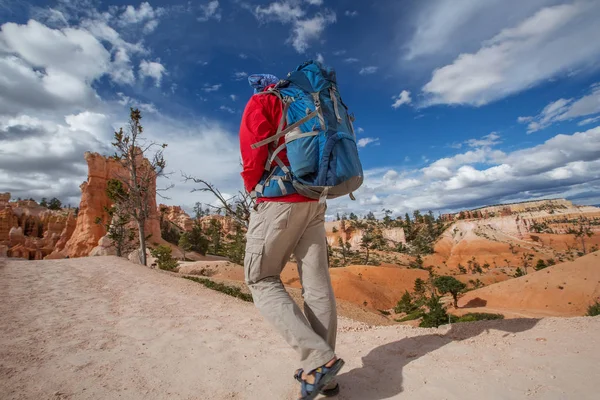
[(319, 139)]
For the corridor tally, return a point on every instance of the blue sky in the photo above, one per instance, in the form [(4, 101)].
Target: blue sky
[(459, 103)]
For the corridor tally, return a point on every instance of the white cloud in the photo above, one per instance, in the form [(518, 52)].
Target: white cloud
[(284, 12), (402, 98), (49, 68), (446, 28), (366, 141), (368, 70), (588, 121), (211, 88), (566, 109), (240, 75), (360, 130), (228, 109), (307, 30), (315, 2), (559, 167), (233, 97), (130, 102), (152, 69), (304, 29), (144, 14), (243, 56), (320, 58), (349, 13), (351, 60), (487, 141), (339, 52), (210, 10), (544, 45)]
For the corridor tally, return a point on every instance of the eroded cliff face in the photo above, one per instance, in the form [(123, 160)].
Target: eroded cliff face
[(176, 215), (87, 232), (539, 228), (349, 234), (30, 231)]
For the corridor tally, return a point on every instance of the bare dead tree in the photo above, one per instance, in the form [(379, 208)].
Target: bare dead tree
[(237, 207), (139, 181)]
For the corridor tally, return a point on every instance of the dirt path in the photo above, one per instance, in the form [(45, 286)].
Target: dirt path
[(102, 328)]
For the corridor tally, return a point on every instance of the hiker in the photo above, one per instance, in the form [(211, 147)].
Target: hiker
[(286, 222)]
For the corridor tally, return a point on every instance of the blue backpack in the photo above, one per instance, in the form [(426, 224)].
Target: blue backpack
[(319, 138)]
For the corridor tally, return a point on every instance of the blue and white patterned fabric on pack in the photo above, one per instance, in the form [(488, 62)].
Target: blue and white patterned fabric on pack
[(260, 81)]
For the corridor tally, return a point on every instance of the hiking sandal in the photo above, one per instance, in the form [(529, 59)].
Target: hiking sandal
[(323, 375), (334, 391)]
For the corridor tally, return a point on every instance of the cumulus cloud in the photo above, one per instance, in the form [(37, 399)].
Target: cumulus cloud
[(304, 29), (402, 98), (352, 13), (307, 30), (351, 60), (210, 10), (559, 167), (364, 142), (566, 109), (152, 69), (546, 44), (50, 70), (320, 58)]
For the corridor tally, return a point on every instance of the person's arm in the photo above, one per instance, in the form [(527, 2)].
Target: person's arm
[(260, 120)]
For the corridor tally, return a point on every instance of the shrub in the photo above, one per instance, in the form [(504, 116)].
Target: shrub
[(163, 257), (594, 309), (437, 315), (518, 273), (470, 317), (411, 317), (541, 264), (405, 305), (220, 287)]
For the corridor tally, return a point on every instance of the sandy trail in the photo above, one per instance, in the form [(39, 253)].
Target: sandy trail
[(102, 328)]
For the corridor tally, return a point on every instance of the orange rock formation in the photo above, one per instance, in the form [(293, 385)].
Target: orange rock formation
[(563, 290), (87, 233)]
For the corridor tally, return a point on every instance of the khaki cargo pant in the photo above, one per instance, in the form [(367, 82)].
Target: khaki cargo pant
[(276, 231)]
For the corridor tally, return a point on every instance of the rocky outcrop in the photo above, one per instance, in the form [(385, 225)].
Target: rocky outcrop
[(94, 200), (503, 210), (334, 231), (176, 215), (28, 230)]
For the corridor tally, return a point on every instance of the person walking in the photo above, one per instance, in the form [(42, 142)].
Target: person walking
[(279, 227)]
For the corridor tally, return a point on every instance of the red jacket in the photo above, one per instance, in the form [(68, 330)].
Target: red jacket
[(261, 120)]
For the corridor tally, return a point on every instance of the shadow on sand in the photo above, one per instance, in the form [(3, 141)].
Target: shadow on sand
[(380, 377)]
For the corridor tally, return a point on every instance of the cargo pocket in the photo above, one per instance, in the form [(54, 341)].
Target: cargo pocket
[(253, 260)]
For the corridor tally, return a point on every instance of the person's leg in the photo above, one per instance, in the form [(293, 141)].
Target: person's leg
[(313, 268), (319, 300), (274, 231)]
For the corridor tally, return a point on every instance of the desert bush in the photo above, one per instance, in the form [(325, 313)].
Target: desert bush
[(541, 264), (436, 315), (220, 287), (411, 317), (405, 304), (470, 317), (163, 257), (594, 309)]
